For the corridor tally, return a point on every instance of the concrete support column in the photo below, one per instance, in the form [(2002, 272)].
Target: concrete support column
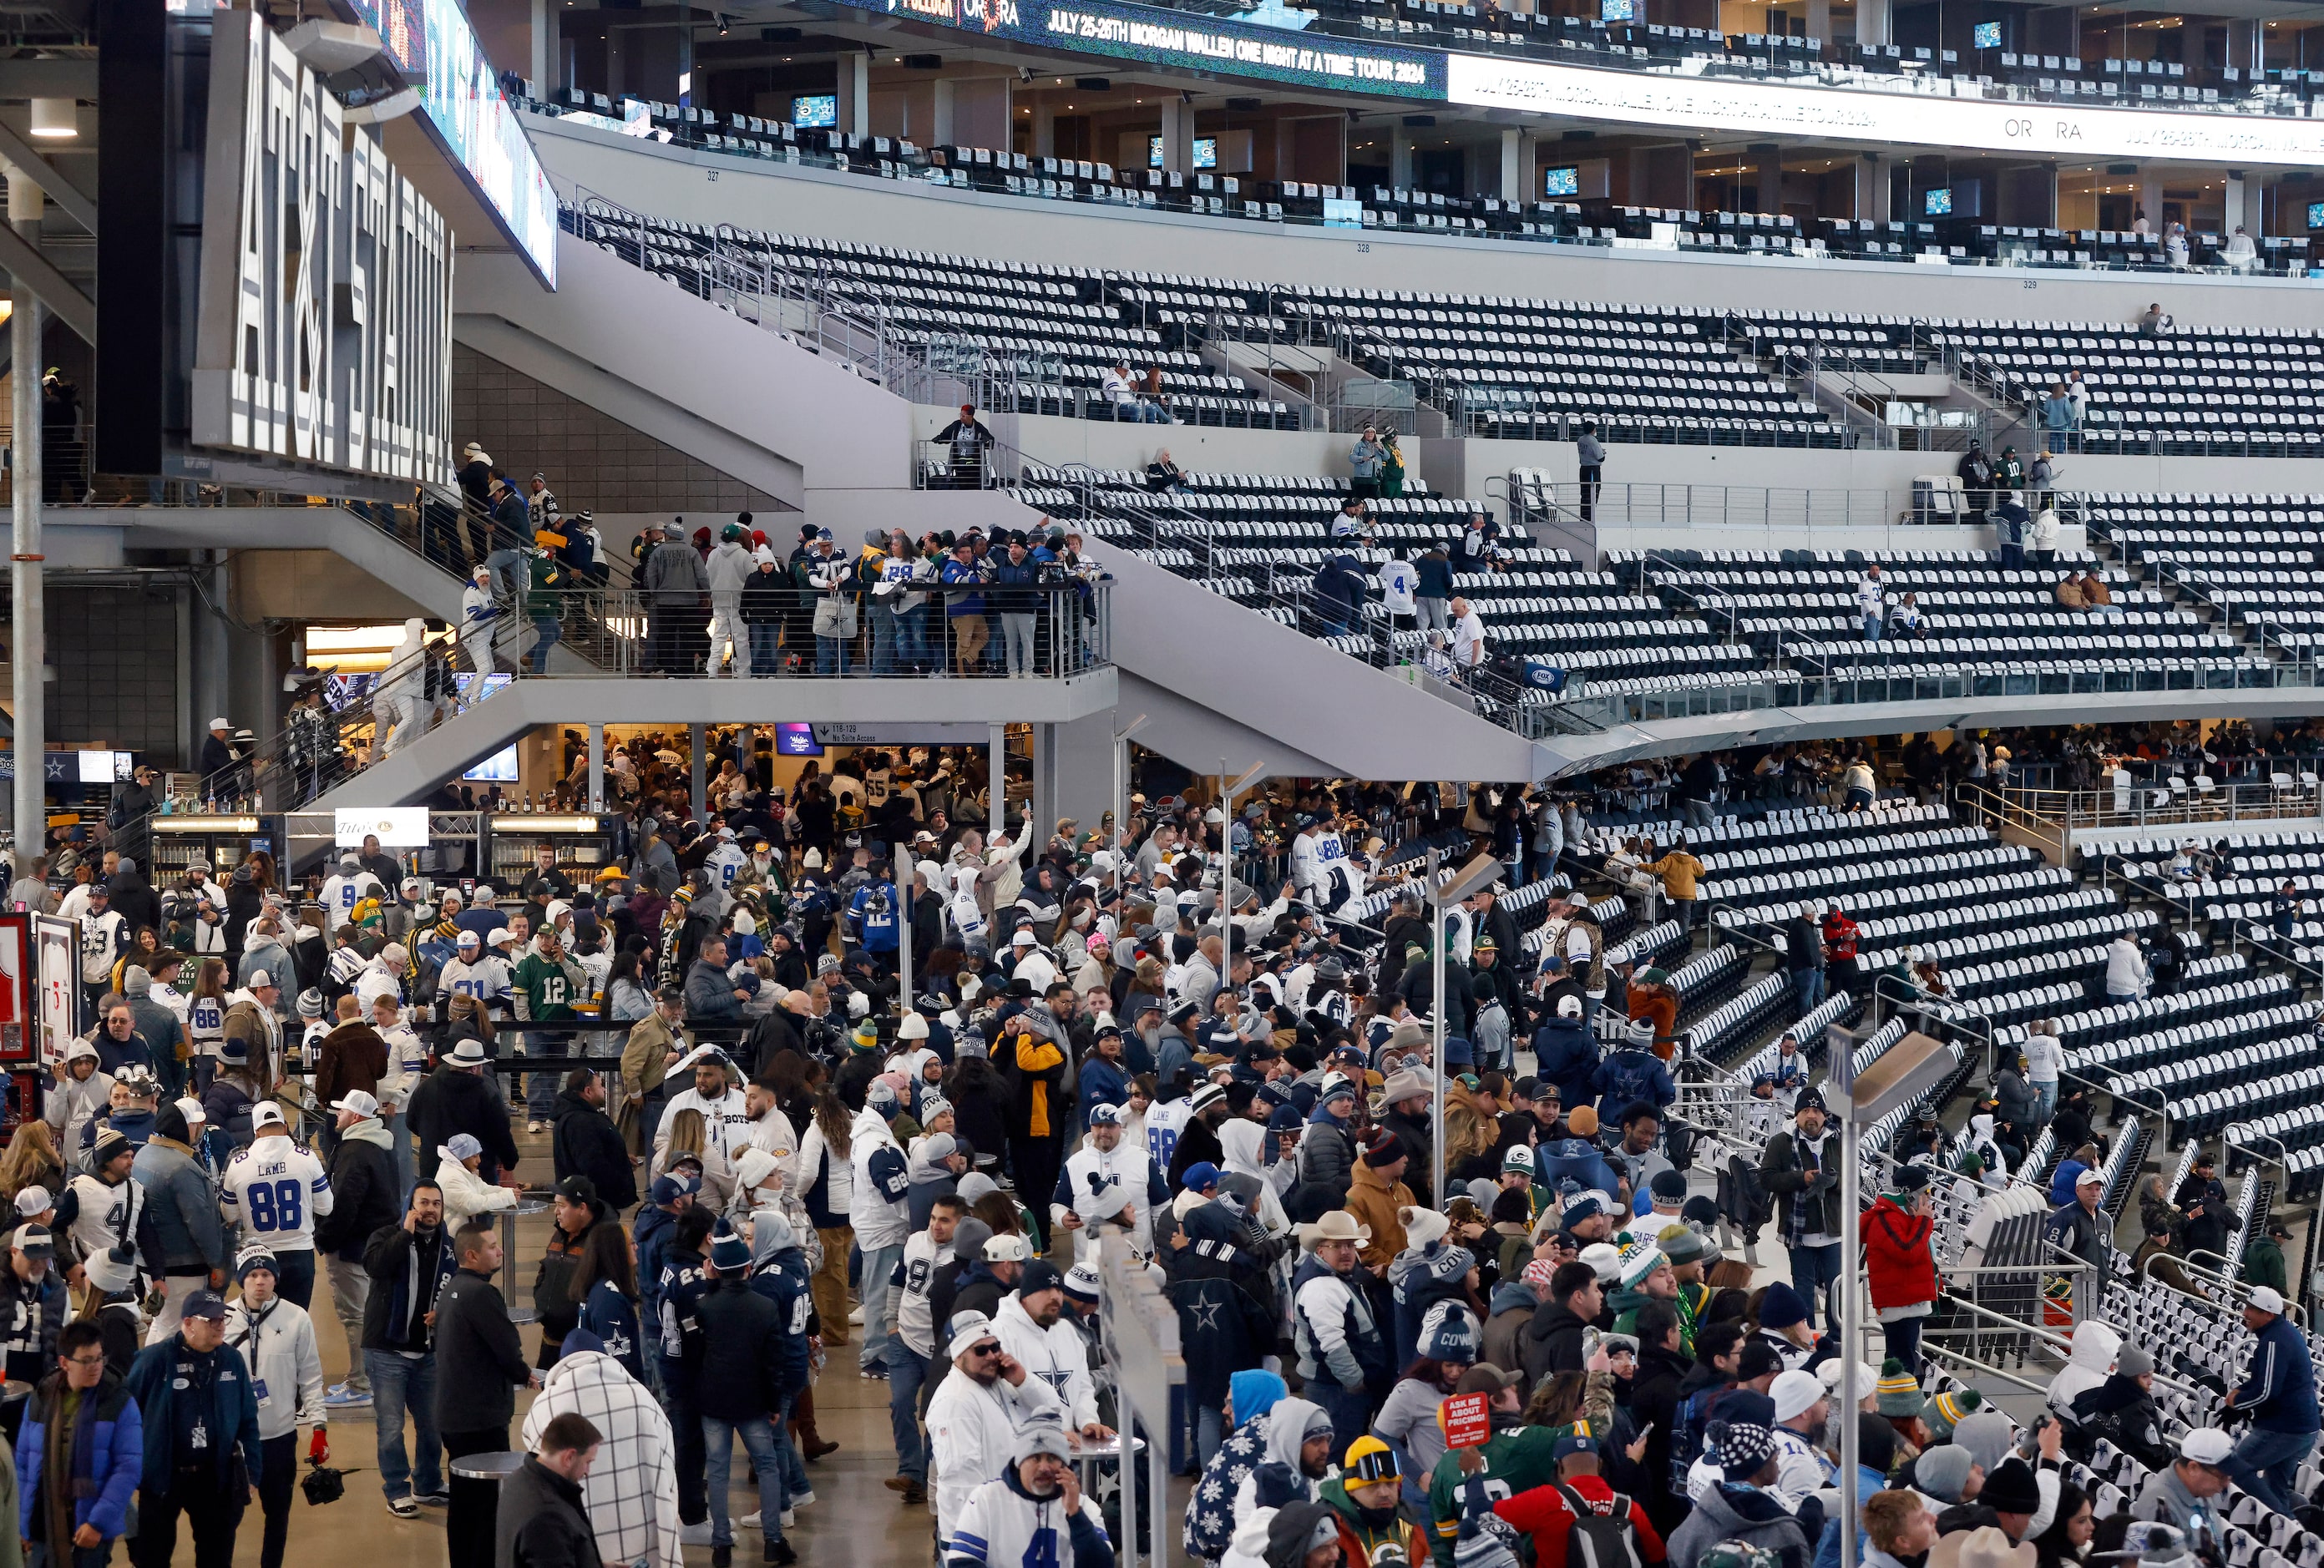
[(544, 49), (596, 766), (855, 94), (1399, 159), (1041, 811), (997, 788), (1820, 20), (1083, 768), (1872, 182), (1043, 141), (1177, 135), (1513, 159), (1874, 24), (2232, 202), (1769, 158), (940, 113), (28, 645), (2150, 198), (699, 742)]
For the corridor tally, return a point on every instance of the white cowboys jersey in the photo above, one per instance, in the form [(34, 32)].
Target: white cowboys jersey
[(273, 1190)]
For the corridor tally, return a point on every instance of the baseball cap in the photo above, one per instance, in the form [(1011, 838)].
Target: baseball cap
[(33, 1242), (2206, 1445), (266, 1114), (2267, 1299), (357, 1101), (205, 1304)]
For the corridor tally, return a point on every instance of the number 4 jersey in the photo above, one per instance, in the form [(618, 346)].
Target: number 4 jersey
[(273, 1190)]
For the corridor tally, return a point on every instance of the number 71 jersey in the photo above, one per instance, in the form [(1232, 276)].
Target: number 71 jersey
[(273, 1190)]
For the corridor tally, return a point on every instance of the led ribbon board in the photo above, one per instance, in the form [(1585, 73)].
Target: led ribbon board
[(1872, 117), (1151, 36)]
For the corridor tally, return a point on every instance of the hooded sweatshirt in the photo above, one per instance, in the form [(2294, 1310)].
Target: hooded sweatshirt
[(2087, 1366), (1288, 1426), (631, 1493)]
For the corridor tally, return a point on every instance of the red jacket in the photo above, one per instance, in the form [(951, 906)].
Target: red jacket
[(1897, 1258), (1542, 1513)]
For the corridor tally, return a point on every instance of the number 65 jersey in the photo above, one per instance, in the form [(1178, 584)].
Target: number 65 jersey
[(273, 1190)]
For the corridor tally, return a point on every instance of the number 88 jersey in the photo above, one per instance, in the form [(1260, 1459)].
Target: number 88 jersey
[(273, 1190)]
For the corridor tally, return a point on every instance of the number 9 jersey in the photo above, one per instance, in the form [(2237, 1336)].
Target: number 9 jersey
[(273, 1190)]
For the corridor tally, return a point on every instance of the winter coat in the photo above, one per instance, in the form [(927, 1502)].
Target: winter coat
[(479, 1359), (2087, 1365), (587, 1144), (117, 1452), (1566, 1056), (1783, 1174), (1747, 1514), (363, 1192), (542, 1521), (183, 1207), (453, 1101), (1898, 1256), (1226, 1305), (1551, 1342), (155, 1382)]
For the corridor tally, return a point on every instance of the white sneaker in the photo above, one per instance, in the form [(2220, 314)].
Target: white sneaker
[(532, 1126), (751, 1521), (787, 1518), (694, 1535), (855, 1317), (801, 1500)]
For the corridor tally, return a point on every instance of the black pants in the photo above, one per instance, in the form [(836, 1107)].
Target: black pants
[(693, 1485), (278, 1483), (1588, 473), (1034, 1162), (468, 1524), (212, 1512)]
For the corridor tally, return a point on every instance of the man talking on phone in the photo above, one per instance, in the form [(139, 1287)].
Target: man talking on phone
[(975, 1420)]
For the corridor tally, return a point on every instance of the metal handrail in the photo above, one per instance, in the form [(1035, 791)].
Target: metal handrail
[(2227, 1282)]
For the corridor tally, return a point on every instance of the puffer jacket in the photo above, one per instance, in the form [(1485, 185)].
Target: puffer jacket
[(2096, 1346), (1897, 1257), (183, 1207), (117, 1451)]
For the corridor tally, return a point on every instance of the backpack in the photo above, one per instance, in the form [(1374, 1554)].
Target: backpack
[(1744, 1198), (1608, 1540)]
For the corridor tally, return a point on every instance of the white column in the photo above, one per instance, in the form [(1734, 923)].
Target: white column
[(940, 114), (1872, 22), (2232, 214), (1043, 141), (1399, 159), (2150, 198), (1820, 19), (997, 766), (596, 766), (855, 94), (1178, 135), (1512, 164), (29, 652), (698, 739), (541, 49)]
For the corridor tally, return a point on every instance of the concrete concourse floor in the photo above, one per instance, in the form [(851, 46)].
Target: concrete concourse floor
[(855, 1519)]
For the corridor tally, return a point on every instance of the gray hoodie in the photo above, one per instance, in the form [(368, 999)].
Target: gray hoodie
[(729, 567)]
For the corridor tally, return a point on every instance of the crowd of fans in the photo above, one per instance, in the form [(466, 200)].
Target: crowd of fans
[(1183, 1036)]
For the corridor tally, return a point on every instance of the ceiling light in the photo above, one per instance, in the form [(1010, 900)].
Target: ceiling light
[(54, 120)]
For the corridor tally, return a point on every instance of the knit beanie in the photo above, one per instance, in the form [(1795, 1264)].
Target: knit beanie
[(1944, 1412), (1898, 1391)]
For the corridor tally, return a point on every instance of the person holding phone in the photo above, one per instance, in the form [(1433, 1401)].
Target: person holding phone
[(976, 1419)]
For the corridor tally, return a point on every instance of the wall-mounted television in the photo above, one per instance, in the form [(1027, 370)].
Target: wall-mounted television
[(816, 111), (1564, 181), (1938, 203), (1985, 35)]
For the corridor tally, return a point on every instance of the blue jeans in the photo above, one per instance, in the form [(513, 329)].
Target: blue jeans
[(550, 634), (541, 1088), (1807, 989), (508, 568), (398, 1382), (82, 1556), (1872, 628), (830, 658), (294, 1274), (912, 636), (766, 649), (2045, 1102), (1209, 1431), (764, 1440), (1350, 1412), (879, 1263), (1814, 1267), (2266, 1465), (883, 640), (907, 1373)]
